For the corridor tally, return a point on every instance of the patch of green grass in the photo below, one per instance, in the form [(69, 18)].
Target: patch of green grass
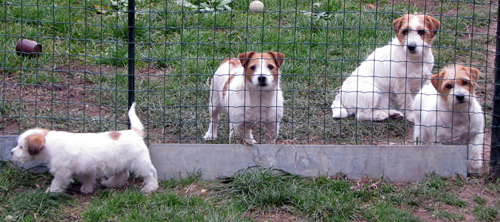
[(486, 213), (132, 205), (250, 192), (479, 200), (23, 197), (445, 215)]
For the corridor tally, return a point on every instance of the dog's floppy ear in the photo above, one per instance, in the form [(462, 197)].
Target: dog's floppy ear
[(437, 80), (396, 24), (279, 57), (244, 57), (473, 73), (35, 143), (433, 24)]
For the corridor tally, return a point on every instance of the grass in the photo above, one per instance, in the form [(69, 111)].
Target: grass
[(178, 49), (249, 195)]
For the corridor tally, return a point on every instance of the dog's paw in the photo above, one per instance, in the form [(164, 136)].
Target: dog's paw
[(475, 164), (210, 137), (394, 114), (87, 188), (339, 113), (149, 188), (54, 190)]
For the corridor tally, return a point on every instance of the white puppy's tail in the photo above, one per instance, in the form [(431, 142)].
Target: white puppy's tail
[(135, 122)]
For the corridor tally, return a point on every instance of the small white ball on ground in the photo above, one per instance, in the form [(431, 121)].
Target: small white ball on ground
[(256, 6)]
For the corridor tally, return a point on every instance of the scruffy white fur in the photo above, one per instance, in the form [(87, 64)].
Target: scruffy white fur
[(392, 73), (90, 156), (452, 115), (248, 90)]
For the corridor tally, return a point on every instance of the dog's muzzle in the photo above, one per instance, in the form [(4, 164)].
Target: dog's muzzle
[(412, 48), (460, 98), (262, 81)]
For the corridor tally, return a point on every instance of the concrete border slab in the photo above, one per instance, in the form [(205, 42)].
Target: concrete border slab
[(393, 163)]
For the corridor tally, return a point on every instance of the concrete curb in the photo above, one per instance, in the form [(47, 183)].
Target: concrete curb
[(393, 163)]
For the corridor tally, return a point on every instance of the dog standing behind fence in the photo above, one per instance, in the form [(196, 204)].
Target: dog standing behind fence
[(248, 90), (446, 111), (391, 73), (90, 156)]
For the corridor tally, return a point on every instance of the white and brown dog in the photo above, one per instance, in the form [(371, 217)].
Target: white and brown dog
[(446, 111), (248, 90), (392, 73), (90, 156)]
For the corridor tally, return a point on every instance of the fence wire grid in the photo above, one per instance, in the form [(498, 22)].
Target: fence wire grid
[(79, 82)]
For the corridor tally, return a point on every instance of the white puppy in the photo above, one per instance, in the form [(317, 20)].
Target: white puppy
[(89, 156), (248, 90), (447, 112), (392, 73)]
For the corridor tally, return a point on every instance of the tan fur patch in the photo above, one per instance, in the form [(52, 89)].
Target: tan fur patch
[(233, 63), (429, 24), (455, 76), (35, 143), (115, 135)]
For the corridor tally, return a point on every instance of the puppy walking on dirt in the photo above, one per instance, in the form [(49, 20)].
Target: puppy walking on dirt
[(90, 156)]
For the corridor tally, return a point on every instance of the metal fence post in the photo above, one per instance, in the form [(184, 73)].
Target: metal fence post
[(495, 126), (131, 53)]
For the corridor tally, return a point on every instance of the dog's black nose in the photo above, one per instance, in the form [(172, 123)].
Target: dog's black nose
[(460, 98), (262, 81), (412, 48)]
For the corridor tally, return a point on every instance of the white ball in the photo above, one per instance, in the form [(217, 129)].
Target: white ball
[(256, 6)]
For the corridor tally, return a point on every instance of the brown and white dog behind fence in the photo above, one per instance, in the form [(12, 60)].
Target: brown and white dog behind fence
[(90, 156), (248, 90), (446, 111), (392, 73)]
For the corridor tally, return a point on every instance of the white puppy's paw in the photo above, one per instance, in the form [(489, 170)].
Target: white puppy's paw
[(475, 164), (149, 188), (87, 188), (209, 137), (54, 190), (339, 113), (396, 114)]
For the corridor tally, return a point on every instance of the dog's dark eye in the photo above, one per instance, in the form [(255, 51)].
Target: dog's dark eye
[(405, 32), (421, 32), (270, 67), (253, 68), (464, 83), (449, 86)]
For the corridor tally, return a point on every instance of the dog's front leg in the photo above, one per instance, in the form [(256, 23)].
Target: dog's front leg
[(476, 151), (272, 130), (88, 183), (59, 184)]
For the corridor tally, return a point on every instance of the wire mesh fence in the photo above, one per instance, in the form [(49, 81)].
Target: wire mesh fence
[(79, 82)]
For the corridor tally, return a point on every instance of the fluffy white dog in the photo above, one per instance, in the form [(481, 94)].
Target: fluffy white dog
[(248, 90), (89, 156), (392, 73), (447, 112)]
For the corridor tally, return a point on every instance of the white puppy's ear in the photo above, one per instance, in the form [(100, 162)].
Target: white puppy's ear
[(35, 143), (437, 80), (396, 24), (278, 56), (432, 24), (473, 73), (244, 57)]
